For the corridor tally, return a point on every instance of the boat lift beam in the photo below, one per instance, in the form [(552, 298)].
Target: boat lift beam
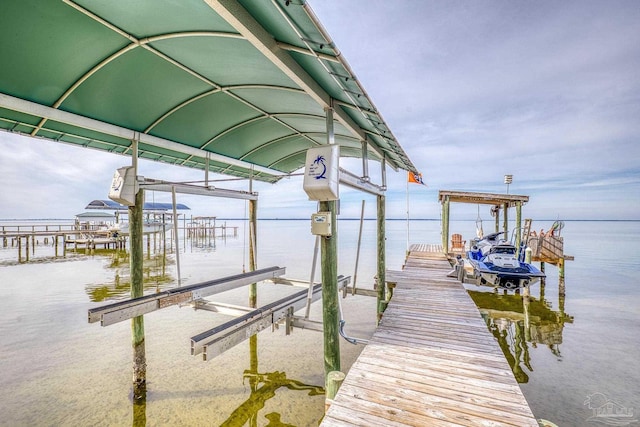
[(360, 183), (123, 310), (158, 185), (216, 341)]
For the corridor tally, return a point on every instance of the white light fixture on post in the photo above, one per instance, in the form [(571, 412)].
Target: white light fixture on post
[(508, 179)]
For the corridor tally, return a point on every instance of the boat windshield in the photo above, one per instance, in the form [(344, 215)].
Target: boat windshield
[(503, 250)]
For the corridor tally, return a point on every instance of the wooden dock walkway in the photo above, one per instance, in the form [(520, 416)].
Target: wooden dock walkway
[(431, 362)]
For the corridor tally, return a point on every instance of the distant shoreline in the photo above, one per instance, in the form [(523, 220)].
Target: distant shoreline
[(342, 219)]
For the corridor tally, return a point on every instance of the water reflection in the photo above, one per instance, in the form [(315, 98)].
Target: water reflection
[(263, 387), (155, 270), (139, 408), (519, 321), (202, 243)]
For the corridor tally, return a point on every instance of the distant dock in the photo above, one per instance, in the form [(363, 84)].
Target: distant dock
[(432, 361), (64, 237)]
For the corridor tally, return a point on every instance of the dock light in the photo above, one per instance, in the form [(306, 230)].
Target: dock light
[(508, 179)]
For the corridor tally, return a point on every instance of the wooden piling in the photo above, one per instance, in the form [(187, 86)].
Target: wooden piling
[(330, 309), (518, 228), (561, 296), (505, 220), (381, 273), (253, 288), (445, 224), (137, 323), (334, 381)]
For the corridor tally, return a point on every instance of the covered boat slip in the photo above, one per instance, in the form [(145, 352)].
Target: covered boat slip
[(431, 362), (236, 87), (243, 88)]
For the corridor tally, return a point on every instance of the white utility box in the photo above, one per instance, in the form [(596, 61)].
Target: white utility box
[(322, 173), (321, 224), (124, 186)]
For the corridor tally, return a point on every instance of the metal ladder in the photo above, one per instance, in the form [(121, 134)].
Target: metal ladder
[(526, 231)]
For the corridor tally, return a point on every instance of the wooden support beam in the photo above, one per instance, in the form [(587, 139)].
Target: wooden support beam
[(117, 312)]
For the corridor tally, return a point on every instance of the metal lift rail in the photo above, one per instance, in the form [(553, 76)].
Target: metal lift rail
[(123, 310)]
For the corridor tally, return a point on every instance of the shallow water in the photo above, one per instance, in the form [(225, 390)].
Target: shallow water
[(57, 369)]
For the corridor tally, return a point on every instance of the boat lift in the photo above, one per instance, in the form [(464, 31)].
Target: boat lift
[(248, 321)]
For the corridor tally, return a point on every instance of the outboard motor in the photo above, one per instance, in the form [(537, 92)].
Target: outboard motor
[(510, 283)]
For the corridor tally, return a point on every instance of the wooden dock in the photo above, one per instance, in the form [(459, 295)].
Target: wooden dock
[(431, 362)]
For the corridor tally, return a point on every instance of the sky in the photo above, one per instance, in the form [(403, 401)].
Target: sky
[(546, 91)]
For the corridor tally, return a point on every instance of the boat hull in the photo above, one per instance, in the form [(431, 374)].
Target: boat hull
[(508, 278)]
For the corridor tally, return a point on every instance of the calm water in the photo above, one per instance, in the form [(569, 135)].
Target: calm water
[(57, 369)]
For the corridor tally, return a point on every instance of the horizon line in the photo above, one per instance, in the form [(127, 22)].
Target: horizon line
[(339, 218)]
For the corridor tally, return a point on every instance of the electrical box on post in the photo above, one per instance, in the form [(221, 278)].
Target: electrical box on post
[(321, 224), (322, 174), (124, 186)]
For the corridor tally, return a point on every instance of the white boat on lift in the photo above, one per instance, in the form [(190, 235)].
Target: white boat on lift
[(496, 262), (122, 228)]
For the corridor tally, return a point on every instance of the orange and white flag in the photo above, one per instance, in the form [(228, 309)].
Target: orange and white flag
[(416, 178)]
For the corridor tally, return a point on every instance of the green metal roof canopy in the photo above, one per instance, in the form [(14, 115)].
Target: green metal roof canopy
[(241, 85)]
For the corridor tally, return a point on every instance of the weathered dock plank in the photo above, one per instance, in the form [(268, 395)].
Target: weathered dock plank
[(431, 361)]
